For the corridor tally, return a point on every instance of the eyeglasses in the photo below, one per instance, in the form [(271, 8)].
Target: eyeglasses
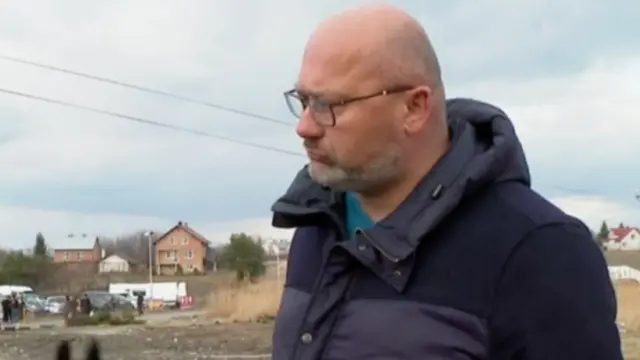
[(323, 111)]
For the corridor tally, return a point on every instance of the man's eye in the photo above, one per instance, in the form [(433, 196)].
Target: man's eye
[(320, 104)]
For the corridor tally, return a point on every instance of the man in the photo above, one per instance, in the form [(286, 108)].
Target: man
[(140, 303), (418, 235), (16, 308), (85, 305), (70, 310), (6, 310)]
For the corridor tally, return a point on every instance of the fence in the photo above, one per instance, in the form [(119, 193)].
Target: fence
[(624, 273)]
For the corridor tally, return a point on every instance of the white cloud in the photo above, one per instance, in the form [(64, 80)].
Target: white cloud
[(24, 223), (561, 119), (594, 209)]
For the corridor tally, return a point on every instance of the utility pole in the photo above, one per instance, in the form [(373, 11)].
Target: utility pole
[(148, 234)]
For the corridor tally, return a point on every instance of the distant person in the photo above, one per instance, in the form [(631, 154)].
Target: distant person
[(418, 235), (70, 309), (140, 303), (85, 305), (22, 308), (16, 308), (6, 310)]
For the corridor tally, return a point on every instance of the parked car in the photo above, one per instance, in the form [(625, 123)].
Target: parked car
[(104, 301), (55, 304), (33, 303)]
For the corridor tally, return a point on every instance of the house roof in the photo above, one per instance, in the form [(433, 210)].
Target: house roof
[(88, 244), (619, 233), (185, 227)]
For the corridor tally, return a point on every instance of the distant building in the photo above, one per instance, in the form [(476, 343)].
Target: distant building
[(85, 258), (623, 238), (183, 249), (119, 263), (276, 247)]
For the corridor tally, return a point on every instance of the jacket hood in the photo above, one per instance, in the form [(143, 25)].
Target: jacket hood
[(484, 150)]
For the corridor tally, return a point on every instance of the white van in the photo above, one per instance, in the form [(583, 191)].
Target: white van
[(18, 289)]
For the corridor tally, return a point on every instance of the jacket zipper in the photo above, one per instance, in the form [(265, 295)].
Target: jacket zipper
[(390, 257)]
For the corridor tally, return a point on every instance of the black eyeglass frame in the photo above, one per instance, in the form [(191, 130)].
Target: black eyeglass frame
[(330, 106)]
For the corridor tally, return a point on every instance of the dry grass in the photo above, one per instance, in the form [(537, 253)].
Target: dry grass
[(246, 302), (254, 302), (628, 293)]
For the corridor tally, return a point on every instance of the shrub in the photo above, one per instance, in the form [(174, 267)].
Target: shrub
[(119, 317)]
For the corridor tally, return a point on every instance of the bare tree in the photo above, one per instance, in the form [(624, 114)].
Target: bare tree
[(134, 245)]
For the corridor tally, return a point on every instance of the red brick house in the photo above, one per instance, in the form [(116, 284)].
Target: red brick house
[(80, 257), (182, 249)]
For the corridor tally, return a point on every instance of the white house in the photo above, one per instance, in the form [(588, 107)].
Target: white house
[(115, 263), (273, 247), (623, 238)]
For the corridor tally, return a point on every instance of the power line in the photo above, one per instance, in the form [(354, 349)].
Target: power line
[(149, 122), (145, 89), (200, 132)]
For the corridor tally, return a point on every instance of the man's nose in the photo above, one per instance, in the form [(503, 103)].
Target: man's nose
[(308, 128)]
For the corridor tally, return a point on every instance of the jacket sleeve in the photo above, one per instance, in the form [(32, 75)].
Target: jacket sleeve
[(555, 300)]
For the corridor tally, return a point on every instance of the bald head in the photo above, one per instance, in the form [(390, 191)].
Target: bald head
[(382, 40), (372, 99)]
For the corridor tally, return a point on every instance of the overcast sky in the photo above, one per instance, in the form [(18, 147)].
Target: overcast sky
[(566, 72)]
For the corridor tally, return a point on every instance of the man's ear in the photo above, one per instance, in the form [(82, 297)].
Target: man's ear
[(418, 108)]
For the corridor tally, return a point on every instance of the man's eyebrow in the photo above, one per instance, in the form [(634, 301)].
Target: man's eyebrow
[(313, 93)]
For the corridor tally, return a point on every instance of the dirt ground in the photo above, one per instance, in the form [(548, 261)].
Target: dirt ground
[(196, 341), (213, 341), (198, 338)]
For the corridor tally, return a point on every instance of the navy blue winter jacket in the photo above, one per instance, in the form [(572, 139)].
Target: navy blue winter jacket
[(473, 265)]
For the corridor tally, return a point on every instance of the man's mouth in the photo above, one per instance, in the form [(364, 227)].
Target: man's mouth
[(317, 157)]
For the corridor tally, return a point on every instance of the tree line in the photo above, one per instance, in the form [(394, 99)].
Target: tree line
[(243, 254), (27, 268)]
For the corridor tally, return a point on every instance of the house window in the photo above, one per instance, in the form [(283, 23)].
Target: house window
[(172, 240), (171, 255), (78, 255), (66, 256), (185, 241), (190, 267), (189, 254)]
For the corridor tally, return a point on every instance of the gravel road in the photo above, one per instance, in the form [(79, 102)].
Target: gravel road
[(168, 342)]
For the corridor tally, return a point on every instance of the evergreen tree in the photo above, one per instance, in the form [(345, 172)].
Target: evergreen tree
[(40, 248), (604, 231)]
